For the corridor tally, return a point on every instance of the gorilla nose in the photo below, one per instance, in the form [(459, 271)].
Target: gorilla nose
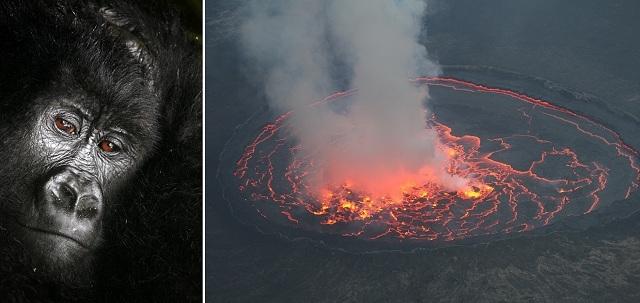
[(74, 193)]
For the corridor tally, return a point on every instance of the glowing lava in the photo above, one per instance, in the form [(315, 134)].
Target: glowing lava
[(553, 163)]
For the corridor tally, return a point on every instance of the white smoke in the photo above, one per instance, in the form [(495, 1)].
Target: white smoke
[(308, 49)]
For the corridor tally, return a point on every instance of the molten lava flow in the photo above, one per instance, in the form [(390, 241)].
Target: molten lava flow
[(499, 196)]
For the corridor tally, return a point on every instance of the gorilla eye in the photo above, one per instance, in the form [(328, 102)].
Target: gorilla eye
[(65, 126), (108, 146)]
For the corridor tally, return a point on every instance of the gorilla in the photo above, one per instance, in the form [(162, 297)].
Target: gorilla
[(99, 152)]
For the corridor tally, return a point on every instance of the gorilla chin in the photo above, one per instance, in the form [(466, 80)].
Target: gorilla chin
[(59, 255), (55, 256)]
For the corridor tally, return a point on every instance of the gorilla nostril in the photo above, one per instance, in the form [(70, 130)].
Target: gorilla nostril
[(64, 197), (87, 213), (87, 207)]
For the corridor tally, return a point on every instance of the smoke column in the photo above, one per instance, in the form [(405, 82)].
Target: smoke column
[(308, 49)]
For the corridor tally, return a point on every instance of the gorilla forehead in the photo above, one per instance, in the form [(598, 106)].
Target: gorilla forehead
[(76, 55)]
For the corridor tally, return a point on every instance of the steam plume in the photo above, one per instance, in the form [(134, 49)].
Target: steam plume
[(308, 49)]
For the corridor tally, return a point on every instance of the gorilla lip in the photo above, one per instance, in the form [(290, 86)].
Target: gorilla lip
[(55, 233)]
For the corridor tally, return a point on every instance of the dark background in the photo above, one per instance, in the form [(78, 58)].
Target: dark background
[(191, 11), (589, 46)]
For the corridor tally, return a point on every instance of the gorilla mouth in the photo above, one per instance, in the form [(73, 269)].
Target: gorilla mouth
[(55, 234)]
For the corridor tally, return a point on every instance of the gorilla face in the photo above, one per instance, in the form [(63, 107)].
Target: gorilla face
[(67, 159), (82, 157), (79, 114)]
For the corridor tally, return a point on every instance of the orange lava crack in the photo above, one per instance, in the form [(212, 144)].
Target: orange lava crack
[(500, 198)]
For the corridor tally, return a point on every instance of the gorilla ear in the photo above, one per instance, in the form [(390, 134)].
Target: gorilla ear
[(124, 26)]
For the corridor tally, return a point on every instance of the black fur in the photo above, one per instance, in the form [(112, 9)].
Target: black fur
[(145, 72)]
